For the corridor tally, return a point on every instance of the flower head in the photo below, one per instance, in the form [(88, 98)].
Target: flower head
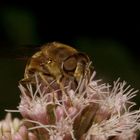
[(92, 111), (14, 130)]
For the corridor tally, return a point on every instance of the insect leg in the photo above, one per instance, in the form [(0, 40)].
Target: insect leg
[(46, 82)]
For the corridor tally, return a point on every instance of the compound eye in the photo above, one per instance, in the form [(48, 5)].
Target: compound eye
[(70, 64)]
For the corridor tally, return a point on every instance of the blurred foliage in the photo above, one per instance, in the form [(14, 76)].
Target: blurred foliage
[(18, 25)]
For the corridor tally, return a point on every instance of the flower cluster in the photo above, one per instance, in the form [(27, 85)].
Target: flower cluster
[(92, 111), (14, 130)]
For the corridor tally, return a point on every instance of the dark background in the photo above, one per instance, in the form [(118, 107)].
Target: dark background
[(111, 40)]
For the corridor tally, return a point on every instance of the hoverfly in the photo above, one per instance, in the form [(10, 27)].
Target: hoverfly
[(56, 61)]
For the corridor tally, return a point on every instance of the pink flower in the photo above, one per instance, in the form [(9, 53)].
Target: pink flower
[(93, 111), (14, 130)]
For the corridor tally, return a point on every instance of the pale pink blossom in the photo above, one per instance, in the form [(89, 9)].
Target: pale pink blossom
[(92, 111), (14, 129)]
